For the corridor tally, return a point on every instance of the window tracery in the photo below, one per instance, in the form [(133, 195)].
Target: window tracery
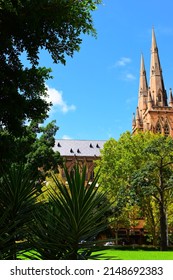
[(166, 129), (158, 128)]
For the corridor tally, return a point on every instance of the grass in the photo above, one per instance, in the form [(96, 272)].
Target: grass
[(112, 254), (117, 254)]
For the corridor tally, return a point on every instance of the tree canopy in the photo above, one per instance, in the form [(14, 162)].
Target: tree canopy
[(155, 180), (137, 170), (29, 26), (34, 149)]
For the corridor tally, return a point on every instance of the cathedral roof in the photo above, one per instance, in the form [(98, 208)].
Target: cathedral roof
[(80, 148)]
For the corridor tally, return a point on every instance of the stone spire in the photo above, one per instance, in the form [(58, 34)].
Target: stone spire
[(158, 92), (143, 88)]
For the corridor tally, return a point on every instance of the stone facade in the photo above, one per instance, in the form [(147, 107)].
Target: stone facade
[(153, 112)]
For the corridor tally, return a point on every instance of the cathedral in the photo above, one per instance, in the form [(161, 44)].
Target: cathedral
[(154, 112)]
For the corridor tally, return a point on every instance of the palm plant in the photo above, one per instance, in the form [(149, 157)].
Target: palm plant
[(67, 226), (18, 201)]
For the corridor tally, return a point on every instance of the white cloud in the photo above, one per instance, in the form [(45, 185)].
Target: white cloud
[(56, 98), (130, 76), (66, 137), (123, 61)]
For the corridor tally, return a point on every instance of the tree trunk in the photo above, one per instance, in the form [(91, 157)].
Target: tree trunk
[(152, 223), (163, 216), (116, 237), (163, 228)]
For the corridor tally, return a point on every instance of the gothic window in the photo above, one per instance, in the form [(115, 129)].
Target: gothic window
[(159, 97), (158, 128), (166, 129)]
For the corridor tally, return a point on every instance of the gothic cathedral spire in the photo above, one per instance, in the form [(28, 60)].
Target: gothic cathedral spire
[(158, 92), (153, 112), (143, 89)]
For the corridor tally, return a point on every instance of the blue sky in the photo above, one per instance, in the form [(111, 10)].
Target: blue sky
[(95, 94)]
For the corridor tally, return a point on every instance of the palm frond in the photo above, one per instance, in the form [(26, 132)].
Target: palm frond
[(75, 213)]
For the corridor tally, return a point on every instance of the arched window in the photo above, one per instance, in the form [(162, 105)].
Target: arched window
[(166, 129), (159, 97), (158, 128)]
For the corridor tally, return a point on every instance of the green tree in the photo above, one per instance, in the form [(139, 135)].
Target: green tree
[(28, 27), (115, 175), (118, 160), (34, 149), (155, 179), (123, 165)]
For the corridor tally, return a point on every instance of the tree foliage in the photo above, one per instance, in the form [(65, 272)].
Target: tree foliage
[(62, 227), (34, 149), (27, 27), (18, 202), (154, 179), (55, 25), (118, 161), (66, 226), (137, 170)]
